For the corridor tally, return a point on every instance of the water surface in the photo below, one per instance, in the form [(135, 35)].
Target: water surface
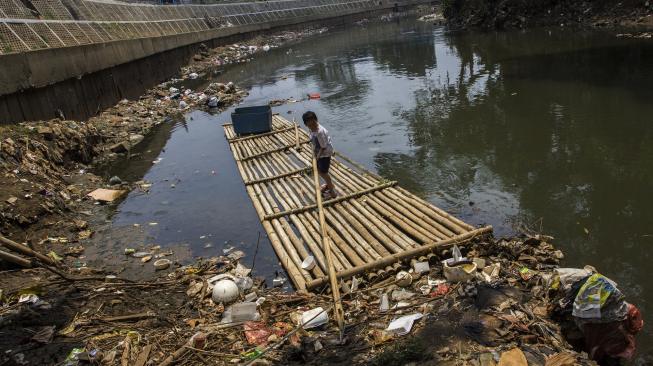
[(548, 129)]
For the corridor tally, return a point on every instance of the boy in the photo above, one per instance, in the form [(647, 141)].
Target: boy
[(323, 151)]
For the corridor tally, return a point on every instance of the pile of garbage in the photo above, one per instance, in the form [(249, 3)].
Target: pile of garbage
[(496, 304), (45, 165), (435, 18), (208, 59)]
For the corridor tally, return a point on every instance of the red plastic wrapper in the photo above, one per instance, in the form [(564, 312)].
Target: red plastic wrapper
[(441, 290), (258, 333)]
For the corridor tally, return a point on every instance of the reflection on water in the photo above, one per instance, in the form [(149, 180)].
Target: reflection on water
[(547, 128)]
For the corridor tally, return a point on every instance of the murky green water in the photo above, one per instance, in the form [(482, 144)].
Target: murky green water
[(546, 129)]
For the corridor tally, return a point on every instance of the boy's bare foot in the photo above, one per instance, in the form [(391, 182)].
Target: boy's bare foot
[(330, 194)]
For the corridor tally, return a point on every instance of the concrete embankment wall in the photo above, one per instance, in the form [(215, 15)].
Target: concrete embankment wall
[(82, 80)]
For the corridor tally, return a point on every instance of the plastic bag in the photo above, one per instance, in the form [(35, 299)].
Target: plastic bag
[(594, 295)]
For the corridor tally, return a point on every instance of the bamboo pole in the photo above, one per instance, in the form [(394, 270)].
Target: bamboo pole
[(299, 245), (12, 258), (297, 221), (331, 201), (310, 224), (398, 257), (419, 220), (439, 225), (267, 152), (444, 215), (293, 271), (441, 229), (257, 136), (307, 221), (296, 134), (277, 225), (335, 289), (411, 227), (362, 230), (25, 250), (355, 249)]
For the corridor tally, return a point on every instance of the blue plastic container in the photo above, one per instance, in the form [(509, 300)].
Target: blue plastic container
[(250, 120)]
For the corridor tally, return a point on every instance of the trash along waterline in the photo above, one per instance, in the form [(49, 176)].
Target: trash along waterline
[(504, 315)]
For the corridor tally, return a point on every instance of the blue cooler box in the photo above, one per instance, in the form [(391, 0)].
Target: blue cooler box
[(249, 120)]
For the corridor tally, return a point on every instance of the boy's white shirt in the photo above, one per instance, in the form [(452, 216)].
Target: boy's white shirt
[(325, 142)]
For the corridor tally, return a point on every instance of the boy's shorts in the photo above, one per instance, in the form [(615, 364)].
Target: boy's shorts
[(323, 165)]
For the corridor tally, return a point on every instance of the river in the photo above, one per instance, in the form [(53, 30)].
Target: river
[(547, 129)]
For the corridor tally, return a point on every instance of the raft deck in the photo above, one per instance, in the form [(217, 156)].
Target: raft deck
[(373, 224)]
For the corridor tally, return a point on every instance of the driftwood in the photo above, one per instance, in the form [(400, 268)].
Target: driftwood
[(131, 317), (143, 356)]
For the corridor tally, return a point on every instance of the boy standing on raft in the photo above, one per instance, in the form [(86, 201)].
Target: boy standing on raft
[(323, 151)]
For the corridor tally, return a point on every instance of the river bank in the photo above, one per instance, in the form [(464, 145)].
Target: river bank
[(492, 14), (504, 311)]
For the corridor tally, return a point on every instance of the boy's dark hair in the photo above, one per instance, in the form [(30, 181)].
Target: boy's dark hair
[(309, 116)]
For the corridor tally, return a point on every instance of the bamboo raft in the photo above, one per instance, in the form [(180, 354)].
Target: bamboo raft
[(374, 225)]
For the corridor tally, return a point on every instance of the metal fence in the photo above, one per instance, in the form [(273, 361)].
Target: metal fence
[(27, 25)]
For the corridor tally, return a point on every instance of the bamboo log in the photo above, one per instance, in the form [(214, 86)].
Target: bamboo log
[(389, 213), (331, 201), (298, 243), (399, 237), (6, 256), (396, 237), (363, 230), (309, 224), (284, 188), (25, 250), (335, 248), (285, 240), (350, 246), (335, 289), (424, 249), (267, 152), (447, 223), (293, 272), (411, 217), (439, 225), (440, 212), (310, 230), (296, 134), (252, 137), (438, 228), (457, 222)]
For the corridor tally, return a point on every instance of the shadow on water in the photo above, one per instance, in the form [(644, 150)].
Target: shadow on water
[(548, 128)]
